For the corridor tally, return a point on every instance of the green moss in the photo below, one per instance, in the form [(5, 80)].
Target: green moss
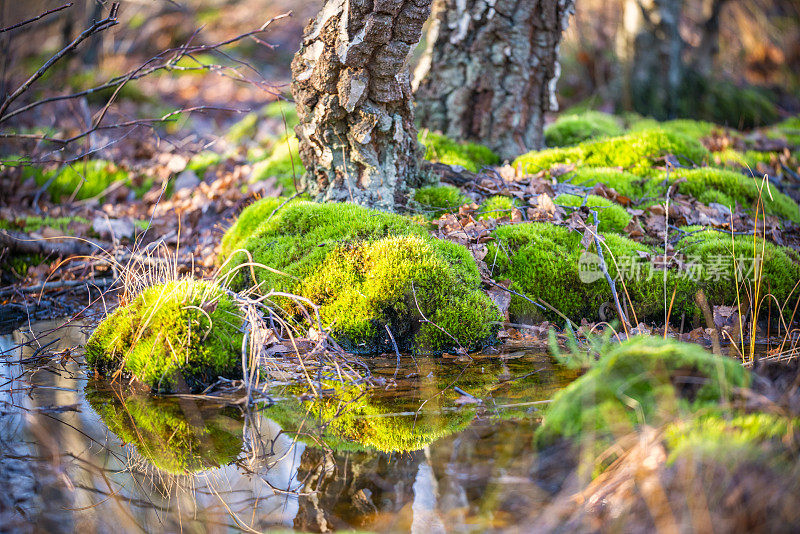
[(186, 331), (281, 109), (730, 438), (725, 102), (436, 200), (359, 265), (201, 161), (571, 129), (353, 419), (442, 149), (613, 217), (247, 223), (635, 152), (705, 183), (85, 179), (34, 224), (543, 261), (748, 159), (694, 129), (624, 183), (243, 129), (639, 383), (283, 163), (497, 206), (163, 434), (712, 251)]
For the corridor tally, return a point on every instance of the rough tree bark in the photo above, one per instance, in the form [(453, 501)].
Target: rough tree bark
[(351, 84), (490, 71)]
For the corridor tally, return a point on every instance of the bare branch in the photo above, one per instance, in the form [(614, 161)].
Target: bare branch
[(37, 17), (96, 27)]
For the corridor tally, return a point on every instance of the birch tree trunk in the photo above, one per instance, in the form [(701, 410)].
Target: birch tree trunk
[(490, 71), (351, 85)]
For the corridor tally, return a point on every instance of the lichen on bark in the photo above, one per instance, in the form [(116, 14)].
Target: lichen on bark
[(490, 70), (352, 88)]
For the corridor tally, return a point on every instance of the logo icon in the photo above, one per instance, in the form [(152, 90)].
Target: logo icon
[(589, 268)]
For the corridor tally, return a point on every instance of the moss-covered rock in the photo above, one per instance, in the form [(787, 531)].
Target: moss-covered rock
[(171, 336), (353, 419), (644, 381), (613, 217), (728, 187), (694, 129), (571, 129), (173, 441), (442, 149), (635, 152), (366, 269), (436, 200)]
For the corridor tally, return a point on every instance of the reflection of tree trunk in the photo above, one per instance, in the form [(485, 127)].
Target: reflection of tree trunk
[(490, 70), (651, 48), (351, 84), (349, 488)]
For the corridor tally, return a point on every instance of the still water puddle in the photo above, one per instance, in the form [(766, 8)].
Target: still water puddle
[(423, 456)]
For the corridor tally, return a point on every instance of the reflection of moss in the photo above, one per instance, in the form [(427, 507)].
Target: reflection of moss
[(571, 129), (442, 149), (613, 217), (356, 420), (161, 431), (365, 269), (645, 381), (188, 329)]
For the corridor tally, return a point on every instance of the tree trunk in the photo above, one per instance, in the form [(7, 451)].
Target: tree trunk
[(351, 85), (490, 71), (651, 49)]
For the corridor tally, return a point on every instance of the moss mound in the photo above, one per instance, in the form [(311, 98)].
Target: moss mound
[(366, 269), (613, 217), (442, 149), (713, 251), (635, 152), (728, 187), (697, 130), (571, 129), (497, 206), (201, 161), (644, 381), (164, 434), (355, 420), (545, 262), (179, 332), (622, 182), (436, 200)]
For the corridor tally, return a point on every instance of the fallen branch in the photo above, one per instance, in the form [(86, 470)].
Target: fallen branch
[(58, 284), (27, 244)]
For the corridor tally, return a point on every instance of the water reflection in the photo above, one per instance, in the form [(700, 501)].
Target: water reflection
[(422, 456)]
